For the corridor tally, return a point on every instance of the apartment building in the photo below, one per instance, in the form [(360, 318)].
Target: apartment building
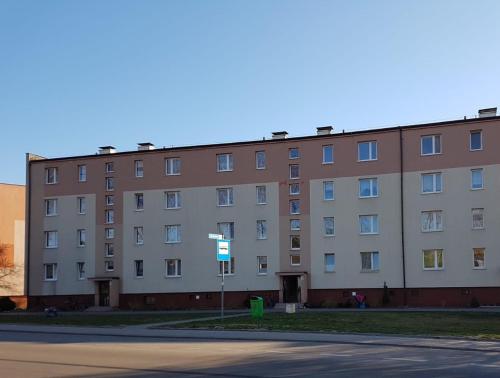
[(311, 219), (12, 214)]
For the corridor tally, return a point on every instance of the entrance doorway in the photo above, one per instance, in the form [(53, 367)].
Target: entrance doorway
[(291, 289), (103, 293)]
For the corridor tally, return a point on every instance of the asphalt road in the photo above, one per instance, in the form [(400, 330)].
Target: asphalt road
[(34, 354)]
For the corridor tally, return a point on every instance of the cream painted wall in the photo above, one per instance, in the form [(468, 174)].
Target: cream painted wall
[(67, 222), (198, 217), (347, 242), (457, 238)]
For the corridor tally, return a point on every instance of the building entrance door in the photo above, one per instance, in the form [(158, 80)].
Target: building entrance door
[(290, 289), (103, 293)]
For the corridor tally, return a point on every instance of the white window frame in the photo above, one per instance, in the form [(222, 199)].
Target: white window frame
[(325, 219), (82, 173), (481, 211), (290, 170), (230, 226), (372, 261), (261, 229), (261, 192), (325, 183), (292, 186), (262, 265), (258, 162), (372, 150), (475, 170), (230, 267), (109, 167), (48, 239), (109, 265), (109, 216), (173, 166), (177, 270), (325, 148), (109, 233), (81, 235), (109, 249), (80, 270), (229, 197), (435, 151), (109, 184), (295, 264), (435, 254), (297, 212), (435, 176), (81, 204), (295, 228), (332, 270), (51, 179), (136, 268), (373, 185), (292, 248), (178, 234), (176, 195), (483, 267), (225, 162), (480, 132), (373, 222), (139, 201), (110, 200), (139, 235), (139, 168), (54, 272), (292, 151), (435, 226), (49, 201)]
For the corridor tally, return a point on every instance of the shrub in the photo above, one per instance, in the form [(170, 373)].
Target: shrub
[(7, 304), (474, 302)]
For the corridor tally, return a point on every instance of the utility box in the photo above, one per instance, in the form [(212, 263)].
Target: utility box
[(290, 308), (257, 307)]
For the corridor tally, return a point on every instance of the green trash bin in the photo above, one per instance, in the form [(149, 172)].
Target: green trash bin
[(257, 307)]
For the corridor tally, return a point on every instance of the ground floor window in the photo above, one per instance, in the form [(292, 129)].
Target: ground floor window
[(433, 259), (173, 268)]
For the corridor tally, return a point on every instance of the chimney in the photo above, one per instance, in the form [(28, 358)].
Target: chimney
[(280, 135), (324, 130), (145, 146), (490, 112), (104, 150)]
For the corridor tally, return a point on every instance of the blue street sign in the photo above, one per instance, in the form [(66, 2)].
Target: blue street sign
[(223, 250)]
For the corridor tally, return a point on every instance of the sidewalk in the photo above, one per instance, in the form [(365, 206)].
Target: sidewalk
[(353, 339)]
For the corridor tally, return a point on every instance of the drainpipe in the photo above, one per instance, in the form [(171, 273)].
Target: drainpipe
[(27, 228), (401, 172)]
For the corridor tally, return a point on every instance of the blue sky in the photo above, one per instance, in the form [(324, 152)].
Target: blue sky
[(75, 75)]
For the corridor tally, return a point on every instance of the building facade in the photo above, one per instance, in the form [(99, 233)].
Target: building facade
[(12, 214), (311, 219)]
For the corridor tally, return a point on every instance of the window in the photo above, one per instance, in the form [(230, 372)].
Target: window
[(173, 166), (173, 200), (261, 195), (50, 272), (328, 190), (173, 268), (328, 154), (225, 197), (109, 216), (294, 189), (109, 183), (139, 168), (433, 259), (368, 187), (295, 224), (260, 160), (228, 266), (109, 265), (109, 249), (139, 235), (477, 219), (50, 239), (476, 140), (295, 260), (224, 162), (173, 233), (81, 203), (367, 151), (294, 241), (431, 183), (293, 153), (110, 233), (139, 201), (139, 268), (477, 179), (432, 221), (329, 226), (81, 237), (261, 229), (110, 200), (478, 258), (50, 207), (226, 229), (80, 269), (430, 144), (261, 264), (370, 261), (294, 207), (329, 262), (82, 173), (368, 224), (51, 175), (294, 171), (109, 167)]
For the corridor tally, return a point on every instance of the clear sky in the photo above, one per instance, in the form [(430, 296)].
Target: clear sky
[(75, 75)]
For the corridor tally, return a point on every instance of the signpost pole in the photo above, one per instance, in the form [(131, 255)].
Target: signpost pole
[(222, 293)]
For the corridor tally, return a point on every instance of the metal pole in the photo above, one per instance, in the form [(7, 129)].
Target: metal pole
[(222, 292)]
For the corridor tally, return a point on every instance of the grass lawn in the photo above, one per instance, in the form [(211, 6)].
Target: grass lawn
[(102, 319), (470, 324)]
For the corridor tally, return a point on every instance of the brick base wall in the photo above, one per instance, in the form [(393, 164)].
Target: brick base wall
[(61, 302)]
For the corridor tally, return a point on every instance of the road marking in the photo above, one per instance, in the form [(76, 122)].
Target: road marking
[(410, 359), (486, 365), (335, 355)]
